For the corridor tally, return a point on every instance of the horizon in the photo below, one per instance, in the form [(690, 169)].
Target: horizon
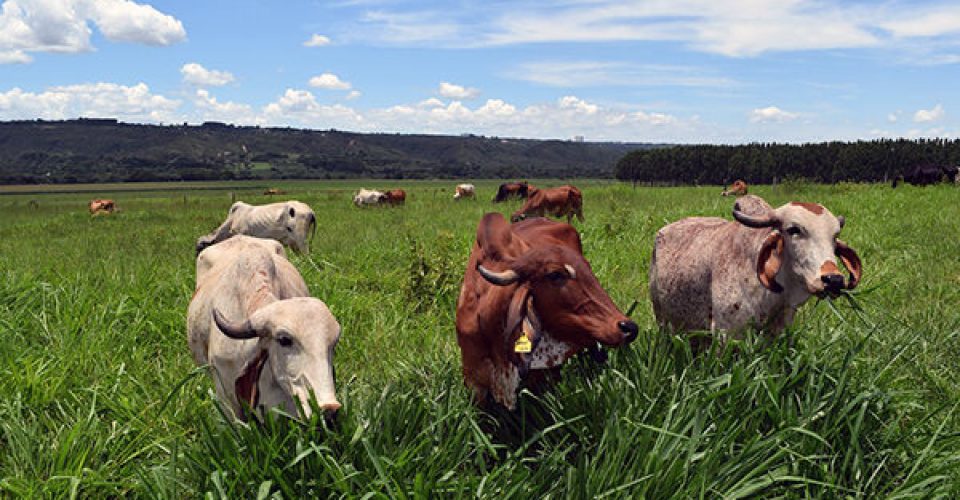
[(693, 72)]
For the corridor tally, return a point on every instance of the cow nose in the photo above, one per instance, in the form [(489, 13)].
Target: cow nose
[(832, 281), (330, 413), (629, 329)]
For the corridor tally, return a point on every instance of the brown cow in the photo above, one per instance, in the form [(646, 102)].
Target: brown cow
[(529, 301), (99, 206), (738, 188), (395, 197), (510, 190), (273, 191), (559, 201)]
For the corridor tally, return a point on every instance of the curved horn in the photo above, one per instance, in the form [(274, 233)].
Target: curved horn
[(313, 226), (766, 220), (239, 331), (502, 278), (842, 220)]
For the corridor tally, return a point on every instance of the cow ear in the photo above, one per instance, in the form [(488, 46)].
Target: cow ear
[(769, 260), (516, 313), (494, 236), (851, 261)]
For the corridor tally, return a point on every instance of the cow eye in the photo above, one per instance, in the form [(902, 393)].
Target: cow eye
[(794, 231), (558, 276), (285, 341)]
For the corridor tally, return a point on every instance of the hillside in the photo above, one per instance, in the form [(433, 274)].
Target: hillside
[(103, 150)]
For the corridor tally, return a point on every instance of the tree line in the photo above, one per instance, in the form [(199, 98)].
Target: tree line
[(764, 163)]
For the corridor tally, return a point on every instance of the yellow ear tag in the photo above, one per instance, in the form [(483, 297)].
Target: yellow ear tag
[(523, 344)]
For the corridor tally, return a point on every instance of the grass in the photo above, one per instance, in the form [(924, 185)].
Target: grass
[(99, 396)]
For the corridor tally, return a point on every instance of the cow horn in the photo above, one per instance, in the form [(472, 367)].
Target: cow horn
[(766, 220), (502, 278), (239, 331), (842, 220)]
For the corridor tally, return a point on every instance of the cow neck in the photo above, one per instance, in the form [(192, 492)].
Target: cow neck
[(263, 292), (246, 384)]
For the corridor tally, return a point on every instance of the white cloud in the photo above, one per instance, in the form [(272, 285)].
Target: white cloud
[(453, 91), (62, 26), (892, 117), (329, 81), (929, 115), (927, 22), (577, 104), (131, 103), (301, 108), (316, 41), (353, 94), (209, 108), (771, 114), (432, 102), (196, 74), (611, 73)]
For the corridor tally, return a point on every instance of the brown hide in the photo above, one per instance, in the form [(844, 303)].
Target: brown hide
[(395, 197), (102, 206), (558, 202)]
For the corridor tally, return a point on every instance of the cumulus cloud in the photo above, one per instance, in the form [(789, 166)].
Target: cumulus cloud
[(196, 74), (63, 26), (572, 74), (209, 108), (353, 94), (131, 103), (929, 115), (453, 91), (329, 81), (771, 114), (300, 107), (316, 41)]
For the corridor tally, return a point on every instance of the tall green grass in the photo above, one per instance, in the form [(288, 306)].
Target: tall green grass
[(99, 396)]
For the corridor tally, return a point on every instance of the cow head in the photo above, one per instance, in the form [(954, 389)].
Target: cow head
[(556, 290), (298, 224), (297, 341), (800, 251)]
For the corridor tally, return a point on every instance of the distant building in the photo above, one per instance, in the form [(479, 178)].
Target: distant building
[(578, 138)]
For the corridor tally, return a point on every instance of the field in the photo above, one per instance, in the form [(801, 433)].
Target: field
[(99, 396)]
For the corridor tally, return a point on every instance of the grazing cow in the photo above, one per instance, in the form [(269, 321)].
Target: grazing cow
[(395, 197), (99, 206), (529, 301), (558, 202), (252, 320), (738, 188), (708, 273), (510, 190), (288, 222), (925, 175), (465, 191), (368, 197), (273, 191)]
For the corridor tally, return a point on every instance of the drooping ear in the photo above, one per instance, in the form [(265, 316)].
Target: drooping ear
[(494, 236), (851, 261), (769, 260), (516, 313)]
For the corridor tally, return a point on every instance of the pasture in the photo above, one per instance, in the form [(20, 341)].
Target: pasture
[(99, 396)]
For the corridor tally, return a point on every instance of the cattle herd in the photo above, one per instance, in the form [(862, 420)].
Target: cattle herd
[(529, 299)]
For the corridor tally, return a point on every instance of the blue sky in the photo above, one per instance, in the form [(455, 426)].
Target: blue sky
[(646, 71)]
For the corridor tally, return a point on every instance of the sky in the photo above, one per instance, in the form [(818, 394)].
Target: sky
[(678, 71)]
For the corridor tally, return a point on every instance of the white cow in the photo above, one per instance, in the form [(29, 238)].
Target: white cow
[(369, 197), (268, 342), (709, 273), (465, 191), (288, 222)]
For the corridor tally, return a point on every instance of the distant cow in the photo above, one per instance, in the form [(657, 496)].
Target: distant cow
[(289, 222), (529, 301), (465, 191), (273, 191), (99, 206), (369, 197), (510, 190), (925, 175), (558, 202), (709, 273), (738, 188), (395, 197), (267, 341)]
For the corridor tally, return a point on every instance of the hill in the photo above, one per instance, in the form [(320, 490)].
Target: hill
[(105, 150)]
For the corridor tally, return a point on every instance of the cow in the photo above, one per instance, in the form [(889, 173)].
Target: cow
[(273, 191), (510, 190), (99, 207), (558, 202), (708, 273), (289, 222), (395, 197), (252, 320), (528, 302), (369, 197), (465, 191), (738, 188), (926, 174)]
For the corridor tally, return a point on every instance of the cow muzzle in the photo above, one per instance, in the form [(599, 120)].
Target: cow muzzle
[(832, 283), (630, 330)]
